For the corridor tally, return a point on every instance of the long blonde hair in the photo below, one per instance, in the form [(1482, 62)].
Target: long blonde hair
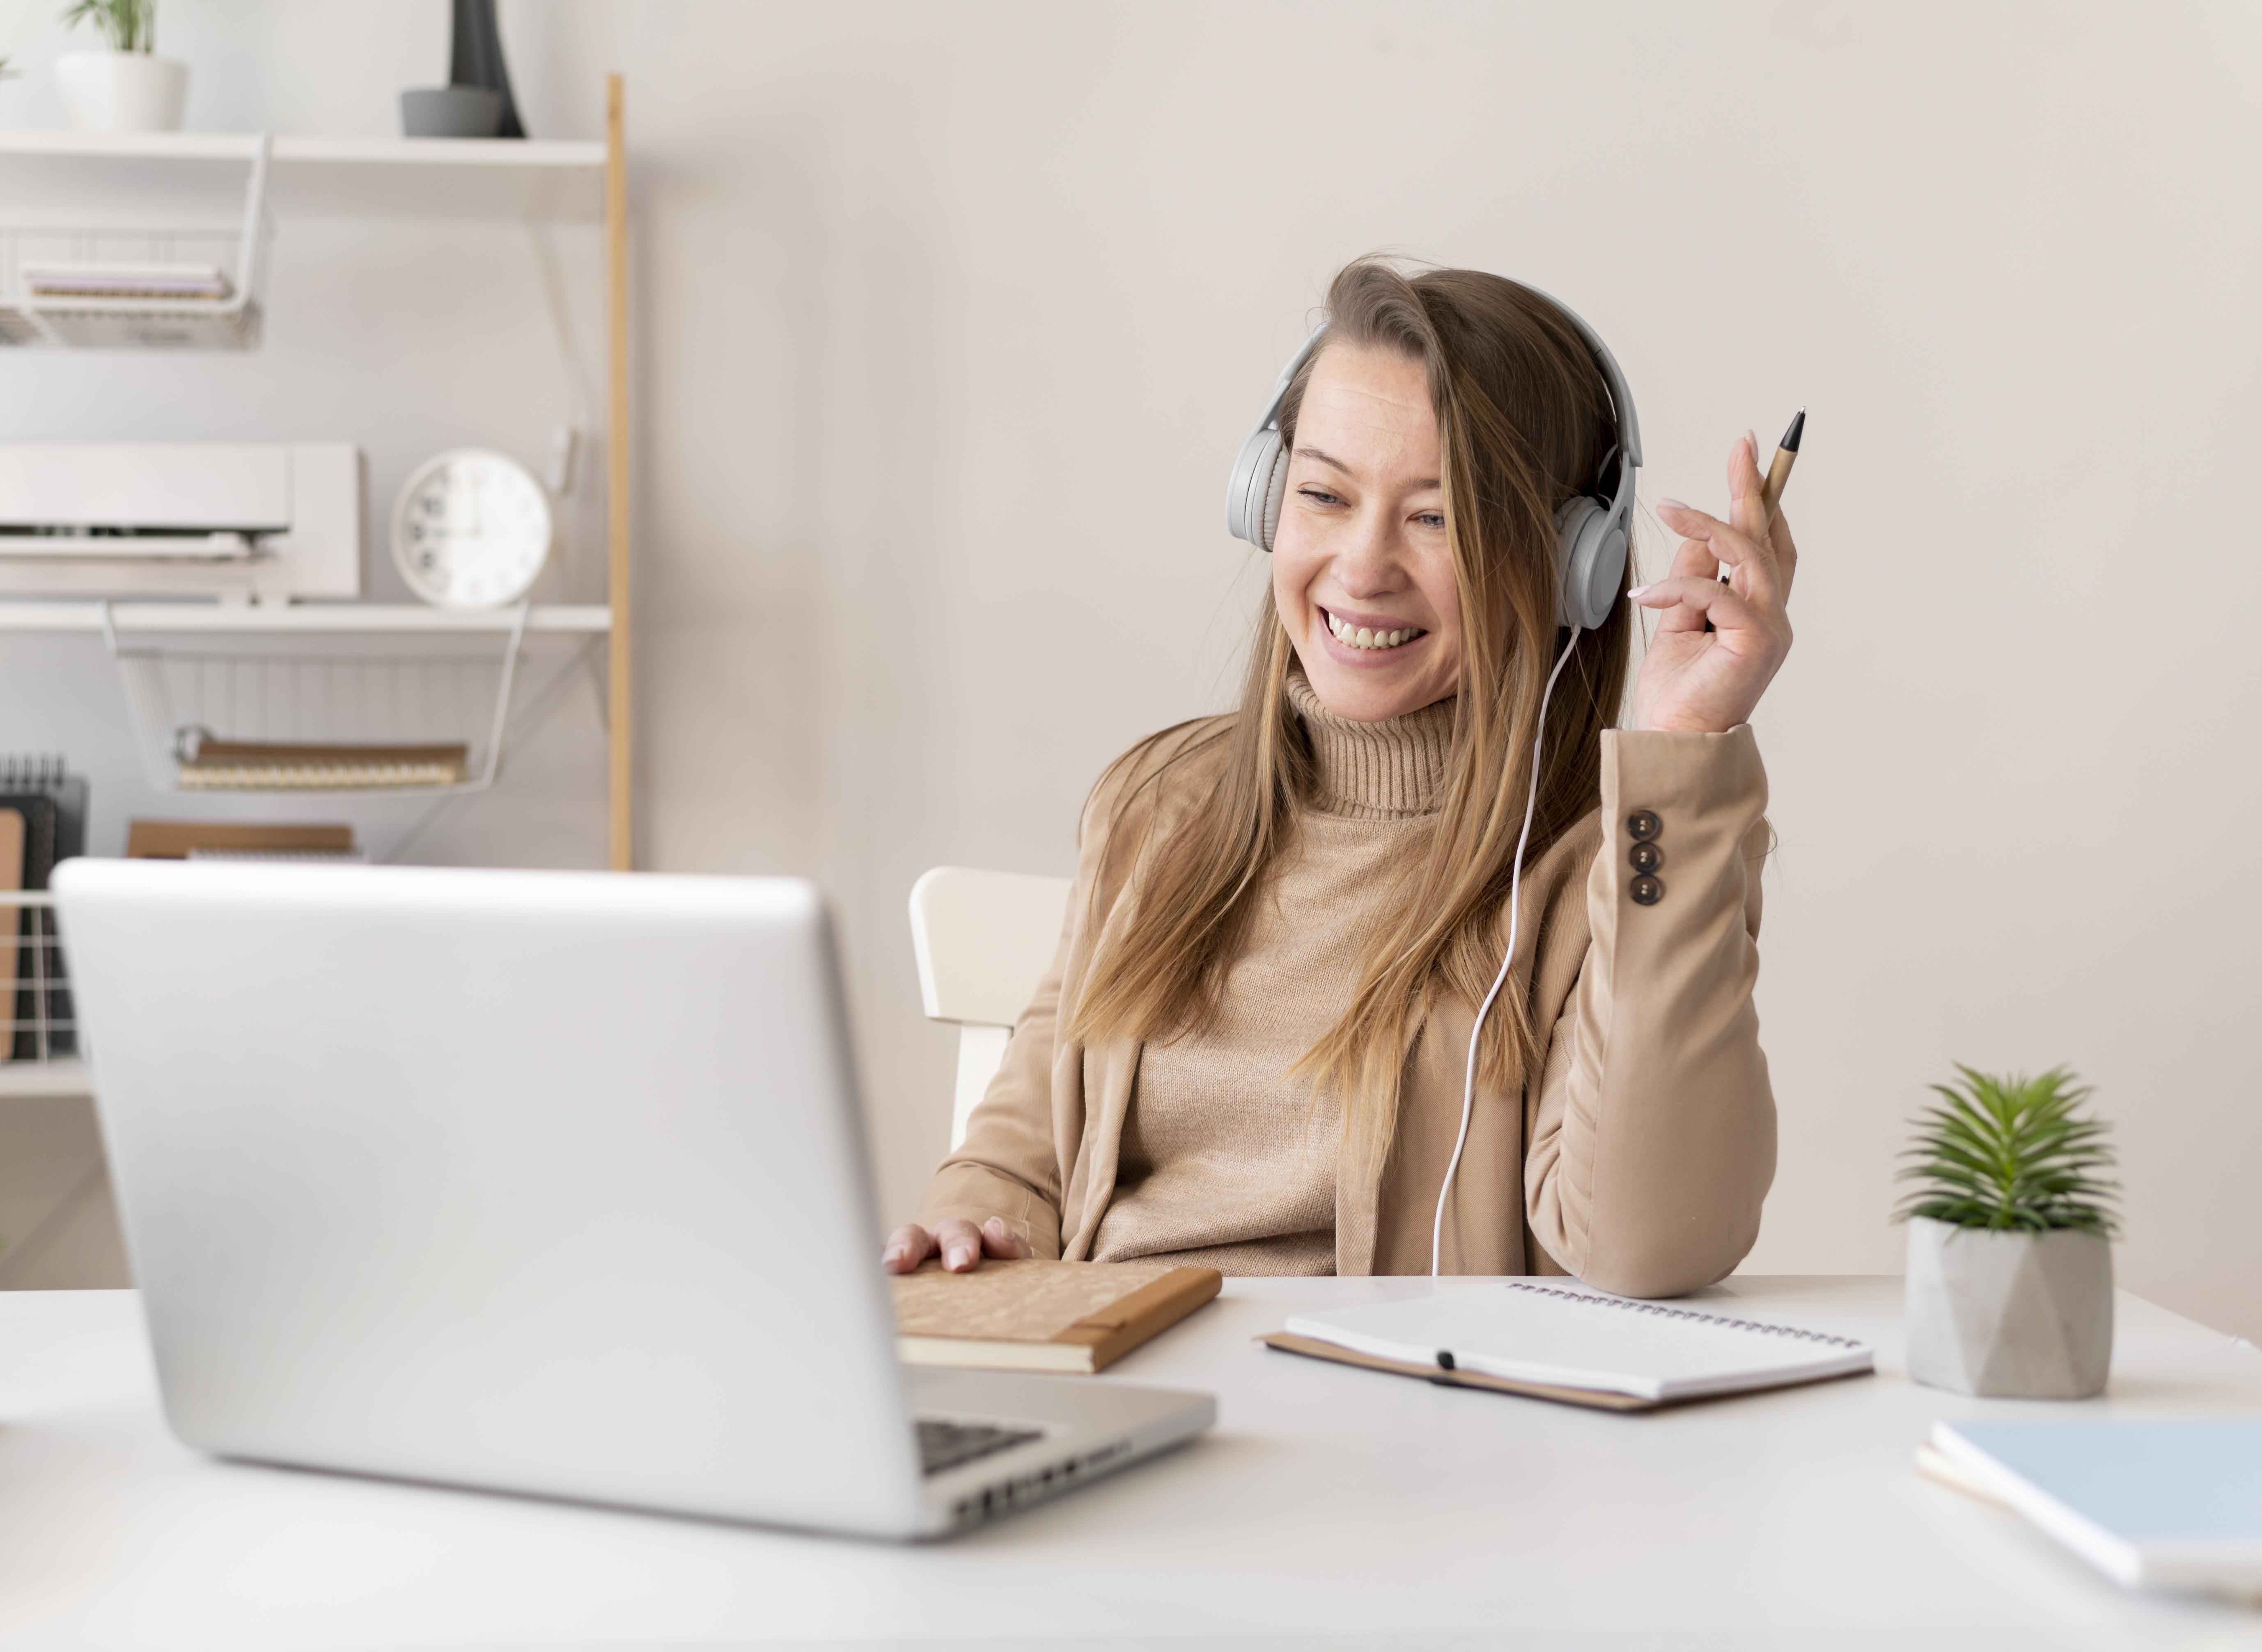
[(1524, 423)]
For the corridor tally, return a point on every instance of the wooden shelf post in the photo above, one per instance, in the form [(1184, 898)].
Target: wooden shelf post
[(619, 722)]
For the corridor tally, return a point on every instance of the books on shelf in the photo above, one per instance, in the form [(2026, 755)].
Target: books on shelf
[(1563, 1341), (216, 765), (192, 283), (1032, 1316), (238, 839)]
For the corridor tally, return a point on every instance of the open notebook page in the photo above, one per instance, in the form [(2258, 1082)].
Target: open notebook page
[(1530, 1333)]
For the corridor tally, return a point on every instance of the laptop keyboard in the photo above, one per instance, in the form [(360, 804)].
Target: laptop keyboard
[(944, 1444)]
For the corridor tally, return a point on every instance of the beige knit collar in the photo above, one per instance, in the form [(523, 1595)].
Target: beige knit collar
[(1376, 771)]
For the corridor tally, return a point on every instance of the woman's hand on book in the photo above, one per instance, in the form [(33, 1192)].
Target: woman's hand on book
[(962, 1245)]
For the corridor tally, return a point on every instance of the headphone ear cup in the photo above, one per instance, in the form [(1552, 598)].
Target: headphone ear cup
[(1606, 574), (1590, 557), (1276, 489), (1252, 497)]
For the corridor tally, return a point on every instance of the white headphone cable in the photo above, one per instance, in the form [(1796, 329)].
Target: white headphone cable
[(1515, 894)]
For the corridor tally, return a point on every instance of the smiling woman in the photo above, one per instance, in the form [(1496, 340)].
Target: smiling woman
[(1362, 567), (1248, 1053)]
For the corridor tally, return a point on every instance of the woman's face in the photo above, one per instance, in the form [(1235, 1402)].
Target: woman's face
[(1361, 573)]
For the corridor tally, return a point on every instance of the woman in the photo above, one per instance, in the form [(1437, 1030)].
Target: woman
[(1250, 1052)]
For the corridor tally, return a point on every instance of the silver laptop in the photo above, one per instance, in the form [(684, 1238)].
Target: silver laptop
[(546, 1182)]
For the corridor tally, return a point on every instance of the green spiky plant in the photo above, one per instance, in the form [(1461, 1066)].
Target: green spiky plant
[(2011, 1155), (129, 25)]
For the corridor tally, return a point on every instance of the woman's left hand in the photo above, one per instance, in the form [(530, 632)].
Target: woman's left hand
[(1705, 682)]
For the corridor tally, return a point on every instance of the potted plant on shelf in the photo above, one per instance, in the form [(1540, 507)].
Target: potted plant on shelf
[(2010, 1255), (122, 86)]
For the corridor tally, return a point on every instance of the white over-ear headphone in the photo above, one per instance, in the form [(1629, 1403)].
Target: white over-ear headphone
[(1590, 535)]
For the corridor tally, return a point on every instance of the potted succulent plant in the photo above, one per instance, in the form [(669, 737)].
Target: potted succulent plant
[(123, 86), (2010, 1255)]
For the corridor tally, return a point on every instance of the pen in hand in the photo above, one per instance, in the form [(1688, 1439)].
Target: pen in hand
[(1778, 476)]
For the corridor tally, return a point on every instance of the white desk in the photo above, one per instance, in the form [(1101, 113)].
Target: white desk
[(1330, 1507)]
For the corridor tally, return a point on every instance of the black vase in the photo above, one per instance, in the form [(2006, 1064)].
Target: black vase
[(475, 58)]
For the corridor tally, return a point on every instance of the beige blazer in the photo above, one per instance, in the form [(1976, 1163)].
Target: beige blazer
[(1636, 1157)]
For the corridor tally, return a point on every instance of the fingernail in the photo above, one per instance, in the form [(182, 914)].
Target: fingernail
[(1639, 590), (961, 1255), (1752, 442), (1671, 504), (894, 1253)]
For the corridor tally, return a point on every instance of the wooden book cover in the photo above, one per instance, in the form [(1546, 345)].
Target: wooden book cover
[(177, 840), (1031, 1316)]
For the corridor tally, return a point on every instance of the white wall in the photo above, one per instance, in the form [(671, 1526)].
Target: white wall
[(950, 318)]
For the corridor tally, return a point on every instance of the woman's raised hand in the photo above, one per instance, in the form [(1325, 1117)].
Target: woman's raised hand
[(962, 1245), (1708, 681)]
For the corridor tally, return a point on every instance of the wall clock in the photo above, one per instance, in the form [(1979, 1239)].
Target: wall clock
[(471, 529)]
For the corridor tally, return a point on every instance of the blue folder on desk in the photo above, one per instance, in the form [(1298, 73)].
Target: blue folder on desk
[(2161, 1503)]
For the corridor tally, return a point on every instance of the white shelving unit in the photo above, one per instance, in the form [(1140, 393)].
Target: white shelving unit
[(158, 195), (162, 185), (307, 176), (303, 619)]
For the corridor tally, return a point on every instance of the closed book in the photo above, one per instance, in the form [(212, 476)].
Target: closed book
[(1031, 1316), (2154, 1502), (185, 840)]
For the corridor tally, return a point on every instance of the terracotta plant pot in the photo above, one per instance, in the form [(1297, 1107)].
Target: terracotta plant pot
[(2024, 1316), (122, 91)]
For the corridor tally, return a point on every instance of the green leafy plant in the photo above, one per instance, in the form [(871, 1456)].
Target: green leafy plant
[(129, 25), (2011, 1155)]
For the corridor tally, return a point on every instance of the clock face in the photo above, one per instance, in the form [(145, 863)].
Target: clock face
[(471, 529)]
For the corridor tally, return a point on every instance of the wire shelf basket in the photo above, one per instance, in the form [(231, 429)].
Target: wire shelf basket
[(41, 1023), (351, 718), (105, 286)]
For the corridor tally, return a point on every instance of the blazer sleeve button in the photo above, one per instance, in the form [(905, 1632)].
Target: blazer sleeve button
[(1646, 857), (1642, 825), (1645, 891)]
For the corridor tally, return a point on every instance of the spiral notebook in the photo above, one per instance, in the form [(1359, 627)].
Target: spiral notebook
[(1581, 1347)]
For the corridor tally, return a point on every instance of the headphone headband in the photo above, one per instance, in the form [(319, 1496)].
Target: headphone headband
[(1593, 538)]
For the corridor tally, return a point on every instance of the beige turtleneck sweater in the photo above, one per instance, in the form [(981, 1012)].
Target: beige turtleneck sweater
[(1225, 1161)]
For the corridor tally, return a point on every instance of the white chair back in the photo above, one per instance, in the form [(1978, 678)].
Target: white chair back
[(984, 941)]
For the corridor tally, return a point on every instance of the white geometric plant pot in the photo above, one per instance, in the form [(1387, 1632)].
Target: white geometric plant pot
[(122, 91), (2023, 1316)]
